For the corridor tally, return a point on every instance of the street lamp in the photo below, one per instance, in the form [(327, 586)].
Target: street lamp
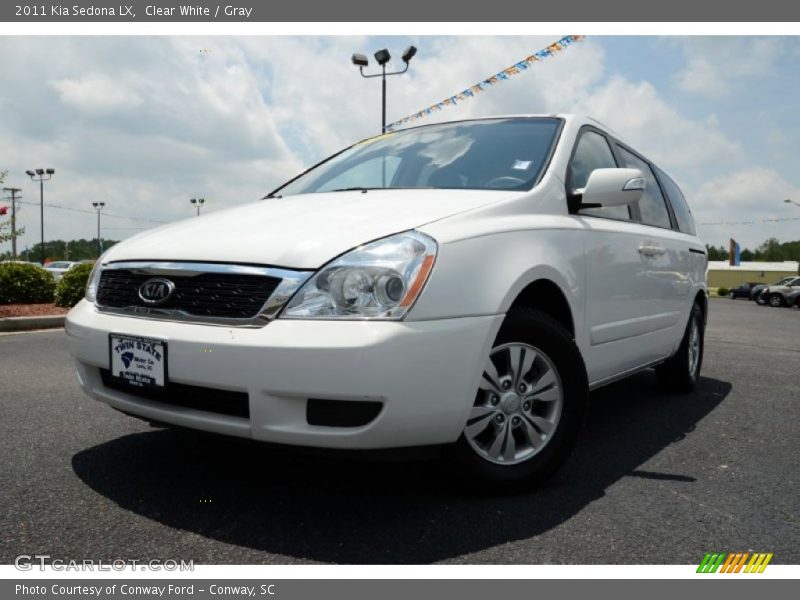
[(383, 57), (39, 175), (790, 201), (98, 206), (198, 202)]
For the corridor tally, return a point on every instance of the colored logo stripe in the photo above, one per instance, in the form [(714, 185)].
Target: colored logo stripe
[(734, 562), (711, 562), (758, 563)]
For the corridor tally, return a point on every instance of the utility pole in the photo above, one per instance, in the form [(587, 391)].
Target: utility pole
[(13, 192), (98, 206)]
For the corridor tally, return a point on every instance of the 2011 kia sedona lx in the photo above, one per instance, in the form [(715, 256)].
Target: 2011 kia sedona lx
[(462, 284)]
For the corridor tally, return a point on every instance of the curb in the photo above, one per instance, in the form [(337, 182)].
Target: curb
[(31, 323)]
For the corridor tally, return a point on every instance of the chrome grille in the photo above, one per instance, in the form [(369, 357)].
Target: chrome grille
[(205, 294), (212, 293)]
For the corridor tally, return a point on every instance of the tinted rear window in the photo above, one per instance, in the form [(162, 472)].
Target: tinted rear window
[(679, 206)]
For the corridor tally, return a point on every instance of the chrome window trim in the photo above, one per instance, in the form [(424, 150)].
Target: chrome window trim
[(291, 281)]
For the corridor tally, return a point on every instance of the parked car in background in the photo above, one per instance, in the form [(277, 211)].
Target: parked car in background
[(744, 290), (777, 295), (59, 267), (755, 292), (22, 262), (460, 284), (793, 298)]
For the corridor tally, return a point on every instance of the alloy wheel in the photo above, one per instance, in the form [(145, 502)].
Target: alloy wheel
[(518, 406)]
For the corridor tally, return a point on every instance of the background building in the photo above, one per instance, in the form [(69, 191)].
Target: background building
[(722, 274)]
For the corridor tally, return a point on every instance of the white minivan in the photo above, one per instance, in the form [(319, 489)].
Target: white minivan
[(461, 285)]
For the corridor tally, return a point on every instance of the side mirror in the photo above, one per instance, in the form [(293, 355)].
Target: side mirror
[(612, 187)]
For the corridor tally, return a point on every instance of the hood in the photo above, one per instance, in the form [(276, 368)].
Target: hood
[(301, 232)]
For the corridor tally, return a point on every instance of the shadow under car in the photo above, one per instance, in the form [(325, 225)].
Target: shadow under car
[(324, 508)]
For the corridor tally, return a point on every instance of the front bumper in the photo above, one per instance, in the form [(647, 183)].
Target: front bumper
[(425, 374)]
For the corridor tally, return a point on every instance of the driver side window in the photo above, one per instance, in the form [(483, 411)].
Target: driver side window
[(593, 152)]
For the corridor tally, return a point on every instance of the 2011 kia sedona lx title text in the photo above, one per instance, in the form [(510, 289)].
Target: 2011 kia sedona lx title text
[(461, 284)]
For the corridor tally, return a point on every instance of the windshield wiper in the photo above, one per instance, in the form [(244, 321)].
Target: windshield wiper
[(363, 190)]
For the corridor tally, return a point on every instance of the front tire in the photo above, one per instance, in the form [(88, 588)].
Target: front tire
[(528, 411), (775, 300), (681, 372)]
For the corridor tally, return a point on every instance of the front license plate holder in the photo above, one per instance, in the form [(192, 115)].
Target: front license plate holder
[(138, 362)]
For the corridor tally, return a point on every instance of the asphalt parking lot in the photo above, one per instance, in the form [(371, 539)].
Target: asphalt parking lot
[(657, 478)]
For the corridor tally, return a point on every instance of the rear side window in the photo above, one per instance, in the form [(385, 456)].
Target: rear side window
[(593, 152), (652, 205), (679, 206)]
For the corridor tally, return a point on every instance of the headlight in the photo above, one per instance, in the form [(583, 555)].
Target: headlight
[(380, 280), (94, 280)]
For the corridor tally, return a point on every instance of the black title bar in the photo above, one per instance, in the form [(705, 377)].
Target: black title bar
[(407, 11)]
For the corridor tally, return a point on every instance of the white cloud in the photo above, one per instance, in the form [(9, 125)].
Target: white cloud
[(719, 66), (96, 93), (140, 123), (749, 194), (638, 113)]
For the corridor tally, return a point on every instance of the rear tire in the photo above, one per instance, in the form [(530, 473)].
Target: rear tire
[(681, 372), (529, 410)]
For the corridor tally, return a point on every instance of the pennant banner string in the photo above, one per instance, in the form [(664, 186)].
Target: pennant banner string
[(752, 222), (482, 86)]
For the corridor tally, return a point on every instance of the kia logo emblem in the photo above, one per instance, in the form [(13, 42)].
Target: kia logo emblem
[(156, 290)]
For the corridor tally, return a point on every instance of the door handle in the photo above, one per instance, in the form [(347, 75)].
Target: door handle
[(651, 251)]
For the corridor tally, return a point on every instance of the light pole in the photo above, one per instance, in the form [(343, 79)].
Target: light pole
[(39, 175), (198, 202), (383, 57), (14, 195), (790, 201), (98, 206)]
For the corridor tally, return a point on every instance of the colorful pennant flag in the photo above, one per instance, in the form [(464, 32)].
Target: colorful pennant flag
[(503, 75)]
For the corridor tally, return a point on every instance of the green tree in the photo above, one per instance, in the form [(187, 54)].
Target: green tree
[(62, 250), (771, 250), (6, 234), (717, 253), (791, 250)]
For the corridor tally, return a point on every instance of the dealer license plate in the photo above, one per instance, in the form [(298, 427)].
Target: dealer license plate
[(138, 362)]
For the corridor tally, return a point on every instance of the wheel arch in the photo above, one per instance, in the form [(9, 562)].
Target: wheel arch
[(546, 295), (701, 299)]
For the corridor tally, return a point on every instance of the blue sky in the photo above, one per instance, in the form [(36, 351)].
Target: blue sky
[(145, 123), (759, 104)]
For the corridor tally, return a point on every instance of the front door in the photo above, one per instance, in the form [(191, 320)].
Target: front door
[(631, 270)]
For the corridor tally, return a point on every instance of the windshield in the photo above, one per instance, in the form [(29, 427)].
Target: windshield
[(491, 154)]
